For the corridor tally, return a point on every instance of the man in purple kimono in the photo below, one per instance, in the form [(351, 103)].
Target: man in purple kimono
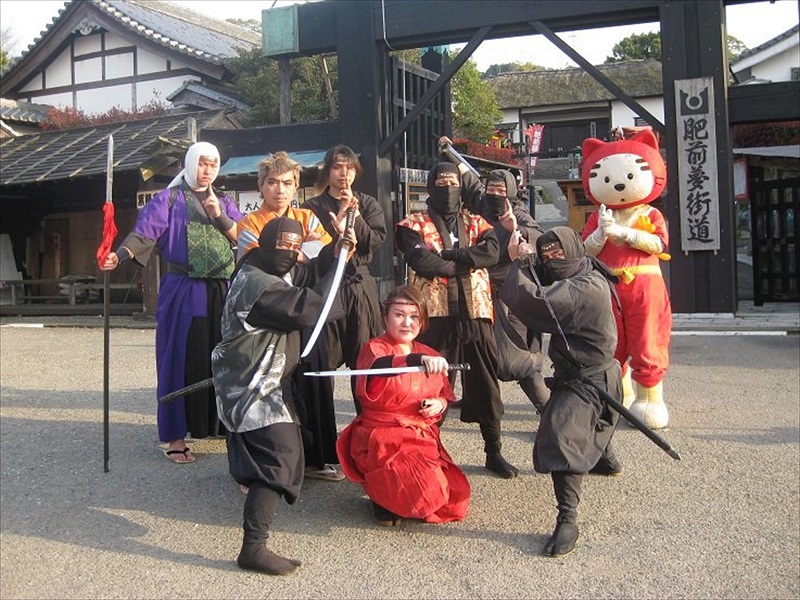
[(193, 229)]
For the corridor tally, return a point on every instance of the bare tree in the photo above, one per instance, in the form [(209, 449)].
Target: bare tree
[(7, 43)]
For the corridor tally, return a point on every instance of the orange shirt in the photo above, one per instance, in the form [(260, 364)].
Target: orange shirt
[(250, 227)]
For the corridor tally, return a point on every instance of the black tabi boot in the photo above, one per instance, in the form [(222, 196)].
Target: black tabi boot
[(608, 464), (492, 444), (384, 517), (259, 508), (567, 487)]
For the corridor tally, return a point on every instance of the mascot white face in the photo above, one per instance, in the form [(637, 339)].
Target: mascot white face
[(623, 173), (620, 180)]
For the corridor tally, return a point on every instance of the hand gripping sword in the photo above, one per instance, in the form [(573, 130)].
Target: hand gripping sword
[(337, 279), (606, 397), (382, 371), (455, 157), (326, 308)]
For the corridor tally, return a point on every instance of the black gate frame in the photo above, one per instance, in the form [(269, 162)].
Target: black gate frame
[(775, 232)]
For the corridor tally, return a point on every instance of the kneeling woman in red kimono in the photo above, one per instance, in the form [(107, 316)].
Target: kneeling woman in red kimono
[(393, 447)]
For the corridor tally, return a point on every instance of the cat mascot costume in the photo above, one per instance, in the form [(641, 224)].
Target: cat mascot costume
[(630, 236)]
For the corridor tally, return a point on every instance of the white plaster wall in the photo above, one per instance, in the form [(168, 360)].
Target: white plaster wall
[(59, 72), (147, 62), (33, 85), (88, 70), (87, 44), (119, 65), (101, 100), (58, 100), (115, 41), (159, 89), (622, 116), (778, 67), (510, 115)]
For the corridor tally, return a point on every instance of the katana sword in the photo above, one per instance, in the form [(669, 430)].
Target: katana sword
[(207, 383), (604, 395), (633, 419), (337, 279), (382, 371), (454, 156), (189, 389)]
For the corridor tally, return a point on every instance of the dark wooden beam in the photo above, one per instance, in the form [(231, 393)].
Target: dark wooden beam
[(612, 87), (692, 47), (764, 103), (421, 23), (437, 87)]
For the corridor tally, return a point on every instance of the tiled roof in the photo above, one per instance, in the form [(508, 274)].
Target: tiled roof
[(639, 78), (173, 27), (768, 44), (22, 112), (209, 92), (58, 155)]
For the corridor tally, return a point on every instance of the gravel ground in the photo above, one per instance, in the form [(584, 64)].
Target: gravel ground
[(721, 523)]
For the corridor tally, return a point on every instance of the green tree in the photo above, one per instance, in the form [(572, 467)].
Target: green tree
[(636, 47), (475, 108), (509, 67), (735, 47), (256, 82), (648, 45), (7, 43)]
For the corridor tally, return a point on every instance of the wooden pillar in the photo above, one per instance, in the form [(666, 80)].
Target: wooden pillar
[(693, 45), (363, 91), (285, 90)]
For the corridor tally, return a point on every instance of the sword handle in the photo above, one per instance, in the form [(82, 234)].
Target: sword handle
[(350, 219), (459, 367), (453, 156)]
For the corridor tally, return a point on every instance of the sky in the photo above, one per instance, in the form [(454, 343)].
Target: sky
[(753, 23)]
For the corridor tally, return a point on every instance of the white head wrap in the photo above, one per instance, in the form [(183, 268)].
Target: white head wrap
[(191, 161)]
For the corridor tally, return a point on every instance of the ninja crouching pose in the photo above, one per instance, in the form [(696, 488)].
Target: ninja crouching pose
[(271, 300), (576, 426)]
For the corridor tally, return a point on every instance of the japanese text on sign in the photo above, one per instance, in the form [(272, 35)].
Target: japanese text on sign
[(697, 164)]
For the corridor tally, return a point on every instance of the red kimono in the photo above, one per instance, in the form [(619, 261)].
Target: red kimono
[(394, 452)]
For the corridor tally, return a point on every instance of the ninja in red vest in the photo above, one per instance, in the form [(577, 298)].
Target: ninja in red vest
[(630, 236)]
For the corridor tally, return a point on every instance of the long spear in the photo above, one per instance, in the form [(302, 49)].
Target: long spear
[(109, 232)]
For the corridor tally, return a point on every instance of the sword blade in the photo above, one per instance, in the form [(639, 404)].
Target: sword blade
[(110, 169), (337, 279), (382, 371), (456, 157), (326, 308)]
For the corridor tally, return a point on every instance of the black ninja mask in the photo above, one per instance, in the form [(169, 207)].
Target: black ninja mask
[(278, 244), (495, 204), (575, 261), (444, 200)]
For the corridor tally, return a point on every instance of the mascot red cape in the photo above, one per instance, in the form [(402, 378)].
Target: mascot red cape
[(630, 236)]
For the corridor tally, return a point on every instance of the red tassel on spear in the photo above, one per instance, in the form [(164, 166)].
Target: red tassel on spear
[(109, 233)]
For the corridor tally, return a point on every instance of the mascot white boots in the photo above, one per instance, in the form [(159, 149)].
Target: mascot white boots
[(630, 236)]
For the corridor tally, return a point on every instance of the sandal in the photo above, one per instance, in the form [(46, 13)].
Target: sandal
[(173, 455), (326, 473)]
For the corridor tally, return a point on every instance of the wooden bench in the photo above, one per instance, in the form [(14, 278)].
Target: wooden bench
[(21, 292), (21, 295), (76, 288)]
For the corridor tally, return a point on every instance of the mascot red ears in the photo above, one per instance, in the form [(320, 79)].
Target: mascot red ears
[(630, 236), (624, 173)]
